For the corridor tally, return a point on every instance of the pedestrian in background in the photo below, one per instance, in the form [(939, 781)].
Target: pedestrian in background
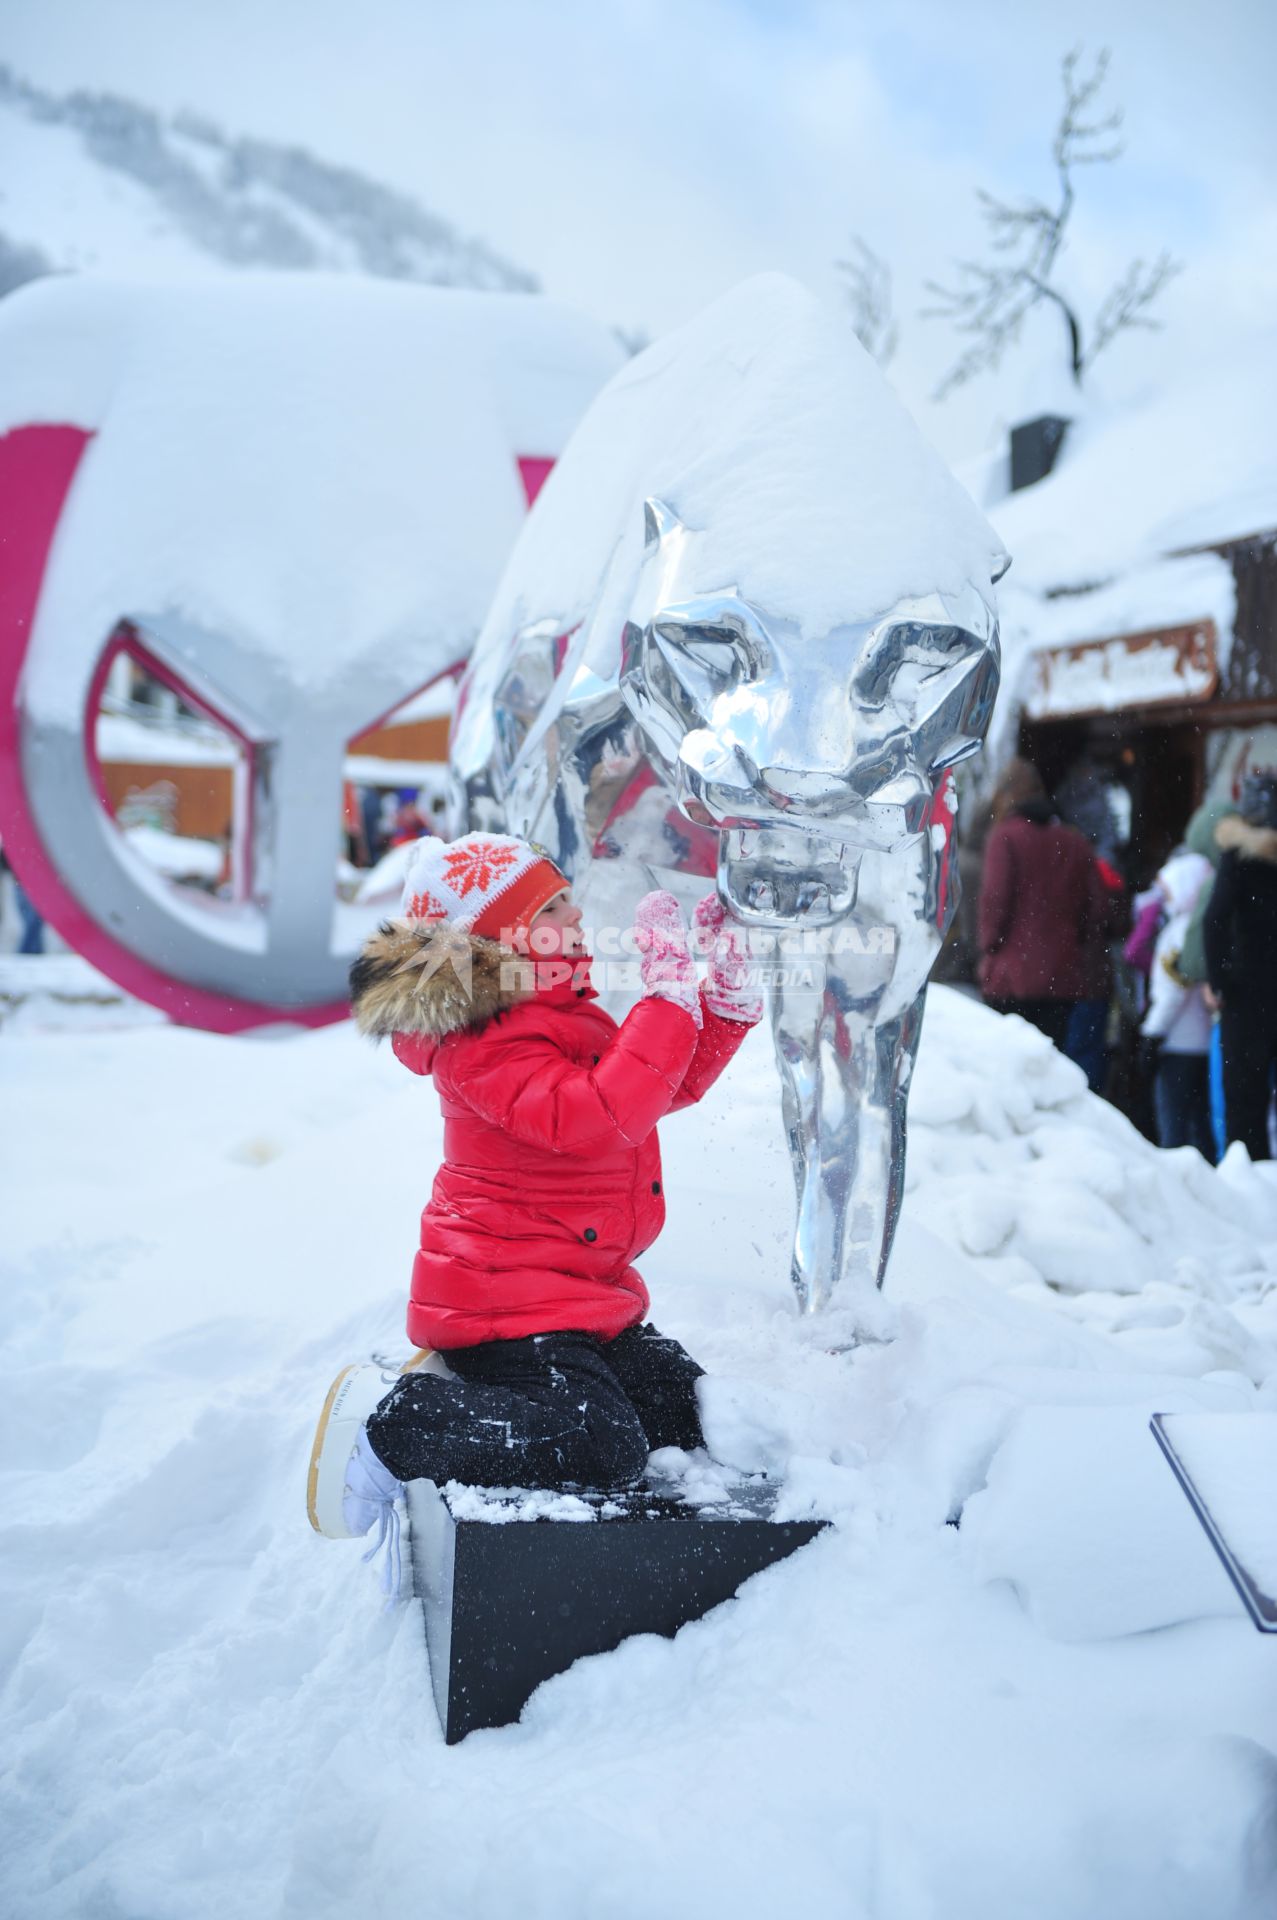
[(30, 919), (1199, 837), (1240, 933), (1086, 1040), (1040, 902), (1178, 1021), (1084, 799)]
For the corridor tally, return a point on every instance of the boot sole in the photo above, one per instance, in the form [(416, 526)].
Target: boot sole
[(312, 1476), (425, 1359)]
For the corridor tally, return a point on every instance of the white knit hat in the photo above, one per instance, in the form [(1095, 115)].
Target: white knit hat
[(484, 883)]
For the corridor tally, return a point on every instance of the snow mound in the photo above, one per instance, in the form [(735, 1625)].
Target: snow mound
[(1083, 1517)]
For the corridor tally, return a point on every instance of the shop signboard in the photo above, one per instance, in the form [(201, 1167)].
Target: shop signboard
[(1165, 666)]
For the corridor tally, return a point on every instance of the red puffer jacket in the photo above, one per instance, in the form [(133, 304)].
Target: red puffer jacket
[(551, 1181)]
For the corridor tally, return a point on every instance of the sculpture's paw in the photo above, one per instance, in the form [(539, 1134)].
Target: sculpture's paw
[(870, 1321)]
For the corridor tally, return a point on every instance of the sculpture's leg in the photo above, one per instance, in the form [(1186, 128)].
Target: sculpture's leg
[(819, 1103), (844, 1098), (897, 1049), (797, 1060)]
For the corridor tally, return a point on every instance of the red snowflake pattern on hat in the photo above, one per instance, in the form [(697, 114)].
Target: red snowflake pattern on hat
[(477, 865), (424, 906)]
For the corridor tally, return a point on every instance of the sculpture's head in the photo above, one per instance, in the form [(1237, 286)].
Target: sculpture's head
[(843, 736), (804, 637)]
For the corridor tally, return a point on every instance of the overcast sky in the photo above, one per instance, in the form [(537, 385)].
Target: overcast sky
[(641, 156)]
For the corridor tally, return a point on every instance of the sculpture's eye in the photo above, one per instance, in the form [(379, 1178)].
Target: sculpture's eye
[(907, 657), (709, 652)]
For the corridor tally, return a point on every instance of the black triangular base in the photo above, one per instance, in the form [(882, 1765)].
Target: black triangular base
[(517, 1587)]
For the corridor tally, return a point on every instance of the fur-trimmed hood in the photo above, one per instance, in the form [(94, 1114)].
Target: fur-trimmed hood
[(1236, 835), (417, 977), (423, 977)]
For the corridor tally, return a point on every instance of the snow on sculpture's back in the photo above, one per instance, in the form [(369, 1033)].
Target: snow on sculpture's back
[(299, 493), (763, 412), (747, 631)]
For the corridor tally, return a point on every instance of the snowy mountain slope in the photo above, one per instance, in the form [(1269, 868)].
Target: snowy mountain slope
[(93, 180), (207, 1714)]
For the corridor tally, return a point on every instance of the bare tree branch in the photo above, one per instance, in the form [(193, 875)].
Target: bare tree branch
[(868, 293), (991, 306), (1073, 130), (991, 301), (1127, 304), (986, 301), (1008, 226)]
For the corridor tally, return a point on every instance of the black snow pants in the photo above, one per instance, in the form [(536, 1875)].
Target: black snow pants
[(555, 1410)]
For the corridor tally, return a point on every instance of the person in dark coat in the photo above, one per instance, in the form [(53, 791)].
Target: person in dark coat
[(1083, 800), (1240, 935), (1087, 1037), (1040, 901), (1200, 837)]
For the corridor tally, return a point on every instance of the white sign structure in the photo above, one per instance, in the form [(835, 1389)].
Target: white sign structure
[(299, 492)]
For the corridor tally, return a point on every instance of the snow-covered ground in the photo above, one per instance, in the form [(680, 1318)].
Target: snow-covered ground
[(1057, 1709)]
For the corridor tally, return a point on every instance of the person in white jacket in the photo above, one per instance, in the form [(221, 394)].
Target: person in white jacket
[(1178, 1018)]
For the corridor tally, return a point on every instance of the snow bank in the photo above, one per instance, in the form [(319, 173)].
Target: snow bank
[(207, 1713), (59, 992), (119, 737), (179, 856), (1084, 1519)]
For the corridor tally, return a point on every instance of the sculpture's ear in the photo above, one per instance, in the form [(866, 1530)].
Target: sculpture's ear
[(658, 521), (1000, 566)]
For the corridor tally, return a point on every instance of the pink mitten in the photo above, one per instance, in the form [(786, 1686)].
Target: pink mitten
[(731, 988), (708, 916), (667, 968)]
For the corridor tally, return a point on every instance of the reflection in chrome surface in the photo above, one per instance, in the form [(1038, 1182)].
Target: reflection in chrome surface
[(810, 779)]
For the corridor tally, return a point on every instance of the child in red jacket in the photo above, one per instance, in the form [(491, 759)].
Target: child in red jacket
[(524, 1282)]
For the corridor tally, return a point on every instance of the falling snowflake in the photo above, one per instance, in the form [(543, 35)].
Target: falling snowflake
[(447, 944), (477, 865)]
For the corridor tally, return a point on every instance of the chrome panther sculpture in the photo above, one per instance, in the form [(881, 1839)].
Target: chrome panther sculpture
[(679, 727)]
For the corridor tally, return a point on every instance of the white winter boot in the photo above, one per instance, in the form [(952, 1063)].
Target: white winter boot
[(348, 1490)]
